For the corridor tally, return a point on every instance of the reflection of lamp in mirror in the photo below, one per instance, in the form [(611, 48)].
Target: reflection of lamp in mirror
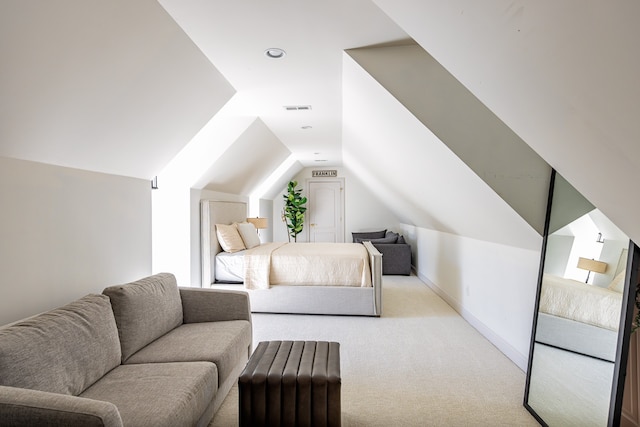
[(259, 223), (591, 265)]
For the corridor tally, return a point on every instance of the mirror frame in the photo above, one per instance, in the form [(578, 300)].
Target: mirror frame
[(626, 321)]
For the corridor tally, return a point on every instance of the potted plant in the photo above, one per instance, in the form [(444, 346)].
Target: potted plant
[(293, 212)]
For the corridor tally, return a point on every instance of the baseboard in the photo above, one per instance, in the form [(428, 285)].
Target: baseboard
[(519, 359)]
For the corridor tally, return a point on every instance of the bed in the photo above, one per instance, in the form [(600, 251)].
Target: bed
[(354, 289), (580, 301), (580, 317)]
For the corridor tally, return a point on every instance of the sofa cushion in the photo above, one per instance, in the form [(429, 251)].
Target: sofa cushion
[(223, 343), (145, 310), (158, 394), (389, 238), (25, 407), (64, 350), (360, 236)]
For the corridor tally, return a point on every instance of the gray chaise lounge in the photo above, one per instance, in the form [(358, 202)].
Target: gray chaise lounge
[(396, 253)]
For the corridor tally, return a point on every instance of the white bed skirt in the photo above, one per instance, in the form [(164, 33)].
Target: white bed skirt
[(329, 300), (577, 337)]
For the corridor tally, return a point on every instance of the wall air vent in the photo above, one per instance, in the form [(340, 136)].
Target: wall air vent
[(297, 107)]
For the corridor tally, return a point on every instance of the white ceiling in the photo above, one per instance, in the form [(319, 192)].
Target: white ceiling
[(235, 34), (124, 87)]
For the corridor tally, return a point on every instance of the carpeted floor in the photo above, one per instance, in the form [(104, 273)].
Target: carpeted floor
[(420, 364)]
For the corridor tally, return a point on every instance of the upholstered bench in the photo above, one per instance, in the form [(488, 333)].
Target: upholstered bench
[(291, 383)]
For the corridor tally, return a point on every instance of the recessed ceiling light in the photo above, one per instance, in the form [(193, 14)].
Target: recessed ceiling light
[(275, 53)]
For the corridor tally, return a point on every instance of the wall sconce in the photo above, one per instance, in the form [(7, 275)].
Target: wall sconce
[(591, 265), (154, 183), (259, 223), (600, 239)]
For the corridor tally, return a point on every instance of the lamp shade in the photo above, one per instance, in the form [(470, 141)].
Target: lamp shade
[(258, 222), (592, 265)]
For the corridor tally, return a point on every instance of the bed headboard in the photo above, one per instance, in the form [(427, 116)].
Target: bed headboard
[(214, 212)]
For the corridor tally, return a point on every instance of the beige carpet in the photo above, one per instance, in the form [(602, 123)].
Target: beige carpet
[(420, 364)]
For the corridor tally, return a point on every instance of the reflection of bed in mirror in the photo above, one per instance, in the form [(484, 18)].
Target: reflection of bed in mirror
[(580, 317), (309, 278)]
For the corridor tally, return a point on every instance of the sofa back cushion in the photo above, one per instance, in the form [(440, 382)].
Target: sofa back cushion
[(388, 238), (363, 236), (145, 310), (64, 350)]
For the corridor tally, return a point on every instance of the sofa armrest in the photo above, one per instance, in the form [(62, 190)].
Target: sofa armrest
[(396, 258), (393, 248), (24, 407), (213, 305)]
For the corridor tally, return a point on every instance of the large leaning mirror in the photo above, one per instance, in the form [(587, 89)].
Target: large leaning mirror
[(583, 317)]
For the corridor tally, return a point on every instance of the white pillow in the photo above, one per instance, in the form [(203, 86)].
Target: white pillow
[(249, 234), (617, 284), (229, 238)]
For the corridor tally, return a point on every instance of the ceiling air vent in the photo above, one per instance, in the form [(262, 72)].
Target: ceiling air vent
[(297, 107)]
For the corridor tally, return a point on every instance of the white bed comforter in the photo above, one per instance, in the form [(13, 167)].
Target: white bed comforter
[(308, 264), (581, 302)]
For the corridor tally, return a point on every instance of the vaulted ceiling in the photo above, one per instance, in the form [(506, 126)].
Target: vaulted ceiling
[(129, 88)]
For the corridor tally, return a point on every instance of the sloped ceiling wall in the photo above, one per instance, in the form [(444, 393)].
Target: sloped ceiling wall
[(117, 87), (108, 86), (280, 178), (247, 163), (496, 154), (571, 207), (418, 177), (562, 75)]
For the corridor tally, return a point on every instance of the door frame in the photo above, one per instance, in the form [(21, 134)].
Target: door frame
[(341, 229)]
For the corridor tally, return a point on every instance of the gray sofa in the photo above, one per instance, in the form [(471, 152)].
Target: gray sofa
[(147, 353), (396, 253)]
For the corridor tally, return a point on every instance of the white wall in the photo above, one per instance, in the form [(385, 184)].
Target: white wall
[(65, 233), (363, 209), (171, 212), (493, 286), (467, 242), (115, 87), (265, 211)]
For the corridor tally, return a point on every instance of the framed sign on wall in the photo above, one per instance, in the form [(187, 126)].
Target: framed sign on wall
[(324, 173)]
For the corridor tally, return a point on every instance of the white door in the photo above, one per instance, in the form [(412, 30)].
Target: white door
[(325, 210)]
